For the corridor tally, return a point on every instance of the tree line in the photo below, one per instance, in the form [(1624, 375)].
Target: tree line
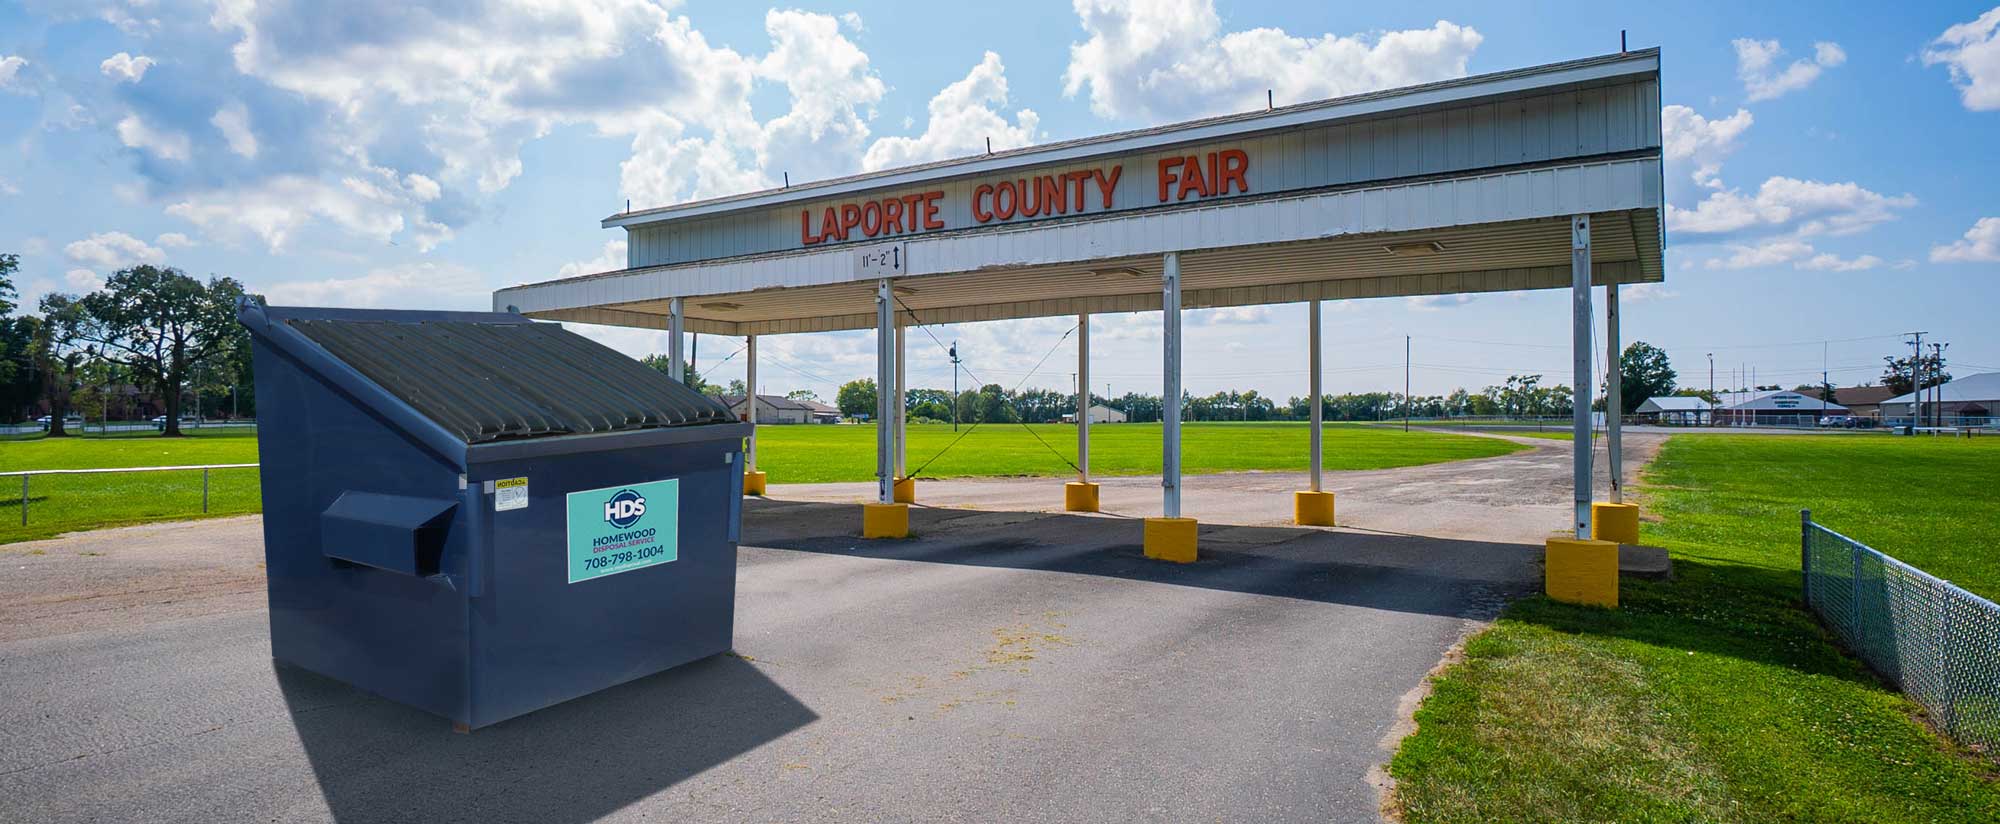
[(155, 329)]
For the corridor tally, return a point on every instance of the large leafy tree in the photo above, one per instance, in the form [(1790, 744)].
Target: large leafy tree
[(162, 324), (856, 398), (60, 351), (1645, 374), (1896, 372)]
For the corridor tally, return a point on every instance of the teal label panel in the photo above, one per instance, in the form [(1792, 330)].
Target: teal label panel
[(623, 528)]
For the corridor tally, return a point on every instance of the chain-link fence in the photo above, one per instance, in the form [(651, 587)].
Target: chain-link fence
[(1937, 643)]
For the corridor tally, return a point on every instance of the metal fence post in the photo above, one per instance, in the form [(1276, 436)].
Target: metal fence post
[(204, 492), (1855, 585), (1805, 556)]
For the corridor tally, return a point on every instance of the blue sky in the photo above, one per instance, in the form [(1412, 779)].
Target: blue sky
[(1829, 166)]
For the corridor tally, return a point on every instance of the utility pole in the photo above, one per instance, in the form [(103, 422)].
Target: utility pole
[(1937, 391), (1711, 389), (1916, 378), (1406, 383), (954, 386)]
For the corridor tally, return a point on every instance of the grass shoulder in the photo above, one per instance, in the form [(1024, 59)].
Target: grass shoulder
[(1714, 696)]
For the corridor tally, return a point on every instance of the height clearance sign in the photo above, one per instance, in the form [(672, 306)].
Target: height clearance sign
[(1075, 191)]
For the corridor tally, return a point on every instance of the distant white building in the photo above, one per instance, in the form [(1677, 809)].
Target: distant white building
[(1774, 407), (1973, 396), (1677, 410), (1099, 413), (770, 409)]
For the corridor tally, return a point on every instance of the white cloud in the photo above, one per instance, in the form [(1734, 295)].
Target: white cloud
[(1642, 292), (1433, 303), (165, 144), (1981, 244), (1170, 58), (1807, 207), (173, 240), (1704, 142), (1829, 262), (1798, 253), (1757, 67), (962, 119), (276, 208), (1768, 253), (613, 258), (421, 187), (233, 121), (8, 188), (83, 280), (124, 68), (428, 285), (113, 250), (1972, 52), (10, 69)]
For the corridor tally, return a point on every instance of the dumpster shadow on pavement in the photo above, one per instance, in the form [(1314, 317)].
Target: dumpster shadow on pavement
[(1389, 571), (376, 760)]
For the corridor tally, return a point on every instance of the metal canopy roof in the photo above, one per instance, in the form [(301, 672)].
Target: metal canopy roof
[(1474, 217)]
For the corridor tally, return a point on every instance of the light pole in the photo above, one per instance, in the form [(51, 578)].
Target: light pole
[(1711, 389)]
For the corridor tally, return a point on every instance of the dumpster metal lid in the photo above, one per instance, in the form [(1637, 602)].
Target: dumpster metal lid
[(504, 377)]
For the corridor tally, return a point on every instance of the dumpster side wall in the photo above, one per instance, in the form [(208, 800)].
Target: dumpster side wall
[(397, 635), (539, 639)]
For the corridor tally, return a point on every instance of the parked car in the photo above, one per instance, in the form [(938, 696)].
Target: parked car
[(69, 420), (187, 422), (1838, 422)]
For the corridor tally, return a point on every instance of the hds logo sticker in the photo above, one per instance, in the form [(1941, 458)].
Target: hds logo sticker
[(625, 508)]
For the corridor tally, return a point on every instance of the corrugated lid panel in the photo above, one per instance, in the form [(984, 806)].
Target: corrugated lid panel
[(491, 381)]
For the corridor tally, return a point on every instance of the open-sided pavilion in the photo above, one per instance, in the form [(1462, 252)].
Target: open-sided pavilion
[(1538, 178)]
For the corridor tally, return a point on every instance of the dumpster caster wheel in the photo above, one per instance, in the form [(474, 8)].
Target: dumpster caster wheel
[(461, 729)]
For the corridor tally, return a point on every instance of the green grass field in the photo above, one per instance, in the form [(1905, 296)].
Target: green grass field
[(818, 454), (1716, 696), (791, 454)]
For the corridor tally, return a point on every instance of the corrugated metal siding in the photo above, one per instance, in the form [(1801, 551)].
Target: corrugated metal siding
[(1536, 129), (488, 381), (1484, 222)]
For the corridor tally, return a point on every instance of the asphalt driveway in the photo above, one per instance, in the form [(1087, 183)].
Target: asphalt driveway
[(999, 665)]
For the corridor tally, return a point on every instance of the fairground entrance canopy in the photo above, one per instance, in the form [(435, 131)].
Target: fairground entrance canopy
[(1546, 177)]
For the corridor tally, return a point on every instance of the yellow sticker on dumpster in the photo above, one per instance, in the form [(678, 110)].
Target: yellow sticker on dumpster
[(510, 493), (623, 528)]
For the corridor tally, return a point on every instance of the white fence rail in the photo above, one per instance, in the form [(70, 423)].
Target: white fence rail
[(27, 474)]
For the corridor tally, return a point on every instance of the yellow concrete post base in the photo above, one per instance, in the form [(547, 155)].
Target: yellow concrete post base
[(1079, 496), (885, 520), (1579, 571), (1171, 539), (753, 483), (1312, 508), (1617, 523), (904, 491)]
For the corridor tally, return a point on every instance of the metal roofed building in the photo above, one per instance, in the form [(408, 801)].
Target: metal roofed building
[(1536, 178), (1974, 397), (1783, 407), (1676, 410)]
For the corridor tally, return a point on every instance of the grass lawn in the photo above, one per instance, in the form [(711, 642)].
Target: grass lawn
[(818, 454), (65, 503), (1716, 697), (791, 454)]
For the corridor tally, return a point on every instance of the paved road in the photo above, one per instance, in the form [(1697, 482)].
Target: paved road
[(1001, 665)]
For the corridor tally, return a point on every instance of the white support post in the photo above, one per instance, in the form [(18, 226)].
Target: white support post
[(885, 377), (1083, 398), (1313, 365), (676, 355), (750, 390), (900, 405), (1170, 396), (1579, 266), (1614, 398)]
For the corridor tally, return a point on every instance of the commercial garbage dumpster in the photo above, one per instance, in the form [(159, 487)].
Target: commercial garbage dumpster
[(480, 515)]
